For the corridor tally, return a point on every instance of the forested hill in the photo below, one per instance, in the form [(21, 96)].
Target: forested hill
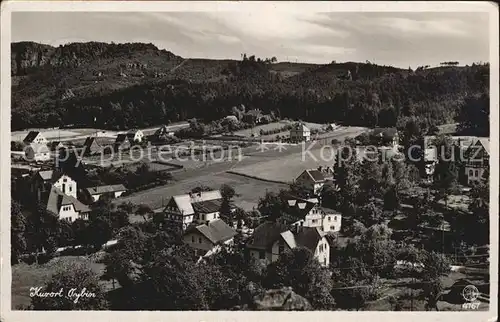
[(127, 85)]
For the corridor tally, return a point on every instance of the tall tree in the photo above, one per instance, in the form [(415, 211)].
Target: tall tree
[(299, 269), (17, 232)]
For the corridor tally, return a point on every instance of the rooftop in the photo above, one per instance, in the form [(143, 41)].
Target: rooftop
[(105, 189), (217, 231)]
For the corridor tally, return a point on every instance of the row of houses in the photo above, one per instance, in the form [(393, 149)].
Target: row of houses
[(305, 224)]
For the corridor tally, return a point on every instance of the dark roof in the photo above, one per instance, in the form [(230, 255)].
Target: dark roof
[(104, 189), (120, 138), (57, 199), (207, 206), (329, 210), (89, 141), (309, 237), (317, 175), (49, 175), (31, 136), (266, 234), (299, 209), (217, 231)]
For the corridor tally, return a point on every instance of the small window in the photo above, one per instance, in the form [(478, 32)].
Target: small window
[(329, 218), (65, 180), (335, 218), (281, 249), (477, 173), (332, 227), (314, 221), (471, 173), (199, 240), (70, 188), (262, 254)]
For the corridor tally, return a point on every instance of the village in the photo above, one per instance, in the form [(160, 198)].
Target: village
[(271, 199)]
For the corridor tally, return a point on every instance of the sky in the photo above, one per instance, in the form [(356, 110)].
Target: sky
[(399, 39)]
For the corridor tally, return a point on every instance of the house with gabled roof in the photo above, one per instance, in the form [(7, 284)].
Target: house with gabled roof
[(300, 133), (314, 179), (135, 136), (35, 137), (271, 239), (43, 181), (66, 207), (205, 237), (93, 194), (122, 142), (193, 208), (92, 146), (163, 133), (477, 160), (300, 212)]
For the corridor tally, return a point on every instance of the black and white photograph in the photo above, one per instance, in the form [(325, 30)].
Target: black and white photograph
[(250, 156)]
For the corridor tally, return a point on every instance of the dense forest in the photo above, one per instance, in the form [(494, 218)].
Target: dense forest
[(135, 85)]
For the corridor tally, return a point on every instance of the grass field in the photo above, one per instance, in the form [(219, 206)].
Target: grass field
[(248, 190), (26, 276), (286, 168)]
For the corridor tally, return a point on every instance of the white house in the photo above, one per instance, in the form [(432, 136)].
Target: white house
[(94, 193), (205, 238), (200, 207), (37, 152), (44, 181), (135, 136), (270, 240), (314, 179), (309, 213), (36, 138), (477, 158), (300, 133), (65, 206)]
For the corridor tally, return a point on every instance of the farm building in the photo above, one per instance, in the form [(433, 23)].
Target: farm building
[(37, 152), (205, 237), (93, 194), (36, 138), (300, 133), (271, 239)]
